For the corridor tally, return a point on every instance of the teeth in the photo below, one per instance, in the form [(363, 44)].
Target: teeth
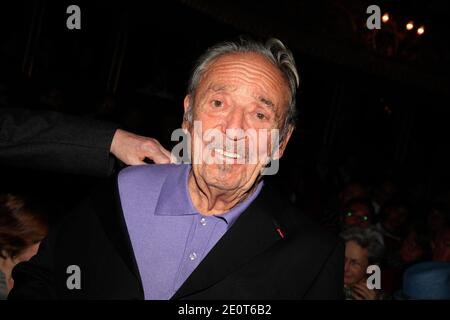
[(227, 154)]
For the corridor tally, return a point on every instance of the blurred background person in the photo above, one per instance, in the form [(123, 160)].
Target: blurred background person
[(441, 245), (394, 218), (382, 193), (414, 248), (22, 228), (338, 203), (358, 213), (438, 218), (363, 247)]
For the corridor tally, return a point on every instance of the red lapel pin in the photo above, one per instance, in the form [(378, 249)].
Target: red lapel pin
[(280, 233)]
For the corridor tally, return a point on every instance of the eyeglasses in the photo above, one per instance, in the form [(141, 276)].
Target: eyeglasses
[(363, 218)]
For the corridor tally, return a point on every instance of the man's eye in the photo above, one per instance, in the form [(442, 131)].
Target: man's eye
[(217, 103), (260, 116)]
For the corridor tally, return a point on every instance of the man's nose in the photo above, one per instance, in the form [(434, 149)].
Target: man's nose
[(235, 125)]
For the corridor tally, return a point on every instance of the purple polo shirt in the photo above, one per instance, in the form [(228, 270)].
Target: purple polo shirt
[(169, 237)]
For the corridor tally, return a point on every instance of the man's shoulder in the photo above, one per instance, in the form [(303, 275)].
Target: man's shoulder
[(149, 172), (306, 228), (151, 169)]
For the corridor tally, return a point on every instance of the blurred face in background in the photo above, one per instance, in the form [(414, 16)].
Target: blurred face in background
[(396, 218), (358, 214), (384, 192), (356, 263), (411, 250), (436, 220), (441, 246)]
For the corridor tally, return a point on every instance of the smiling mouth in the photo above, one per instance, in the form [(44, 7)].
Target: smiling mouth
[(227, 154)]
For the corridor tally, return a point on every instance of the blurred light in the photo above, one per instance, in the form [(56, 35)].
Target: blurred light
[(421, 30), (385, 17), (409, 25), (388, 110)]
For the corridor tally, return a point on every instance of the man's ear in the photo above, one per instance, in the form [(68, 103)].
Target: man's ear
[(283, 143), (186, 103)]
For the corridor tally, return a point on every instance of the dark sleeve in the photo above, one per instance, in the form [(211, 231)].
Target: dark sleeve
[(329, 285), (55, 141)]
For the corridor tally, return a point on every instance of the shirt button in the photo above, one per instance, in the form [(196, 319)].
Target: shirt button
[(193, 256), (203, 221)]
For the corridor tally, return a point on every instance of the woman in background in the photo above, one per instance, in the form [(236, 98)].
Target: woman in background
[(363, 247), (22, 228)]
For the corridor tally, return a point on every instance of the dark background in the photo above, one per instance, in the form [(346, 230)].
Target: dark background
[(373, 104)]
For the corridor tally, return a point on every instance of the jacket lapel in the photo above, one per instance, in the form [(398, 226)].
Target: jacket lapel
[(106, 202), (254, 231)]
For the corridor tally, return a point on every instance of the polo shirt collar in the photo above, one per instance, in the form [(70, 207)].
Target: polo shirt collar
[(175, 200)]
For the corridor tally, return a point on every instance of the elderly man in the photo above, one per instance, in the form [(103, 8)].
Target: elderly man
[(210, 230)]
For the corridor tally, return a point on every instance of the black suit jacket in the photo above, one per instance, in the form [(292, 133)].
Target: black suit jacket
[(270, 252), (55, 141)]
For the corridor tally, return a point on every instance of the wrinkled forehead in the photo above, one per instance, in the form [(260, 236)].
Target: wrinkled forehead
[(250, 71)]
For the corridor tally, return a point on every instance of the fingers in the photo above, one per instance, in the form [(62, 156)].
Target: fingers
[(134, 162), (360, 291), (133, 149), (161, 159), (357, 296), (153, 150), (363, 291), (168, 155)]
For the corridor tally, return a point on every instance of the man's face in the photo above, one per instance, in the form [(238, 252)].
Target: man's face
[(238, 93), (356, 263)]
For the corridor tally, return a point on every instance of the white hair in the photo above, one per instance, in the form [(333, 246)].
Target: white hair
[(367, 238)]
